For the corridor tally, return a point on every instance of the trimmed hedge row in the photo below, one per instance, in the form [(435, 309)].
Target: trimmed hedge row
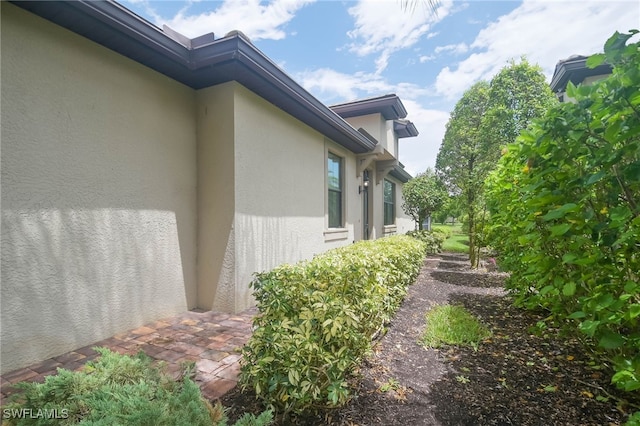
[(317, 319)]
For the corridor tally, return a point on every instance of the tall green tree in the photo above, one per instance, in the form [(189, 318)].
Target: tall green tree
[(464, 157), (488, 117), (518, 94), (423, 195)]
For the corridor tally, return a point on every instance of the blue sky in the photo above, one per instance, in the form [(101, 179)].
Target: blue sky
[(346, 50)]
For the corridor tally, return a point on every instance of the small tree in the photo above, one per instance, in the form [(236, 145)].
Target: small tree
[(465, 157), (423, 195), (486, 118)]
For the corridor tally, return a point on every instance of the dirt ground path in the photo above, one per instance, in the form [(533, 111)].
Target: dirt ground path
[(517, 377)]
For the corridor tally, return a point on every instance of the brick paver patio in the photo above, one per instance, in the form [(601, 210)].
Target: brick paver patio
[(213, 340)]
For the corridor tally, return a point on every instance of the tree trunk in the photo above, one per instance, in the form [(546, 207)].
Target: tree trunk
[(472, 231)]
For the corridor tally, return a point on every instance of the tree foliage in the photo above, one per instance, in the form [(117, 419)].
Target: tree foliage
[(464, 158), (486, 118), (423, 195), (566, 211), (452, 208)]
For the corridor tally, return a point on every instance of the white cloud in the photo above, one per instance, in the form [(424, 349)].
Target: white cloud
[(417, 153), (383, 27), (543, 31), (456, 49), (426, 58), (420, 152), (254, 18), (332, 86)]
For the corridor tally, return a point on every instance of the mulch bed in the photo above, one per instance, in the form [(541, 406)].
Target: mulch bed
[(522, 375)]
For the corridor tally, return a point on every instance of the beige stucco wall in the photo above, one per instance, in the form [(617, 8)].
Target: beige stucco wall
[(374, 124), (98, 192), (404, 223), (216, 197), (281, 196), (127, 197), (272, 168)]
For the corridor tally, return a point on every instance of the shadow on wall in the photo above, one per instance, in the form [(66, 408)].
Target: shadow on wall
[(74, 276), (264, 242)]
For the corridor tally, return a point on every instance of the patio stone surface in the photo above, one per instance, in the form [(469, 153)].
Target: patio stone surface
[(211, 340)]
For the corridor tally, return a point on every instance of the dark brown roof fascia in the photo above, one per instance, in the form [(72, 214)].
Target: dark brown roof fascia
[(205, 64), (390, 106), (401, 174)]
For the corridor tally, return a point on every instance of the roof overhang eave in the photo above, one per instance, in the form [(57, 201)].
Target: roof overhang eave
[(401, 174), (208, 64), (389, 106), (575, 71)]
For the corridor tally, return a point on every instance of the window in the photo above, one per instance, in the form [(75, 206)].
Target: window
[(389, 203), (335, 184)]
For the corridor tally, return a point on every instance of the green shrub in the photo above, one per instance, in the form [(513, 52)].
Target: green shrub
[(317, 319), (566, 200), (115, 389), (432, 239), (445, 232)]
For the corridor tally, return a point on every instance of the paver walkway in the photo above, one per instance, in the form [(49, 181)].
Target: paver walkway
[(213, 340)]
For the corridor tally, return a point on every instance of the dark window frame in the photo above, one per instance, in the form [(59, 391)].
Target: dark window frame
[(389, 203), (335, 192)]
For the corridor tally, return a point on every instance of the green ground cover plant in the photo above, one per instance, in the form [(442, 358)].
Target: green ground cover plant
[(566, 212), (317, 319), (452, 325), (117, 389)]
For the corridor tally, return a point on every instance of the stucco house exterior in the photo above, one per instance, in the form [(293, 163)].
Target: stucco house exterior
[(145, 173), (574, 69)]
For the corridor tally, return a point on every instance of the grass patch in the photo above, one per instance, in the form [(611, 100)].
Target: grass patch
[(458, 243), (452, 325), (447, 228)]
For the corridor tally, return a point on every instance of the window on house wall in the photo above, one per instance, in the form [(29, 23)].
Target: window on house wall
[(389, 203), (335, 183)]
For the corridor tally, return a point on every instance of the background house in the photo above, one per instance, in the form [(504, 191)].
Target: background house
[(574, 69), (145, 173)]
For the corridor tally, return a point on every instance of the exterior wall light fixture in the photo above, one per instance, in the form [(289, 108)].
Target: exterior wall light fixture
[(365, 182)]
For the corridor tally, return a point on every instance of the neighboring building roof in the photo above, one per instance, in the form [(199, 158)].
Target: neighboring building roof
[(199, 62), (405, 128), (575, 69), (389, 106), (400, 173)]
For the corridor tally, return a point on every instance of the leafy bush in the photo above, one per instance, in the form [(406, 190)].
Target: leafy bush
[(432, 239), (116, 389), (317, 319), (566, 204), (445, 230)]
